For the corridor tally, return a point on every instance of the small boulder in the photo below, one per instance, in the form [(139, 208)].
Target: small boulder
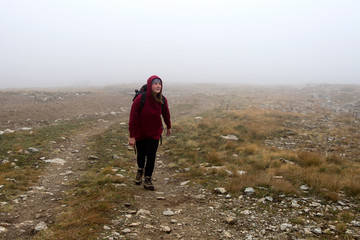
[(40, 227)]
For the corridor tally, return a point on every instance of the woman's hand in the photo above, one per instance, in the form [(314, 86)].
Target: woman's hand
[(168, 132), (132, 141)]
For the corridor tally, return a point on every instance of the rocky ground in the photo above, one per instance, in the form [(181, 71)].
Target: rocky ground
[(37, 208), (181, 209), (178, 208)]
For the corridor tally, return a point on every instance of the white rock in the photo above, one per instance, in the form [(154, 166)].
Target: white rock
[(40, 226), (184, 183), (106, 227), (241, 172), (56, 161), (2, 132), (227, 234), (220, 190), (165, 228), (148, 226), (32, 149), (68, 172), (2, 229), (268, 198), (246, 212), (315, 204), (286, 227), (294, 204), (168, 212), (135, 224), (249, 191), (143, 212), (230, 137), (126, 231), (198, 117), (25, 129), (317, 230), (355, 223), (307, 231), (230, 220), (304, 187)]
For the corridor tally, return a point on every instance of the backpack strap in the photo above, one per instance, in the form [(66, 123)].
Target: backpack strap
[(143, 98), (162, 105)]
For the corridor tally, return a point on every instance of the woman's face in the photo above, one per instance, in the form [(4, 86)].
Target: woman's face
[(156, 87)]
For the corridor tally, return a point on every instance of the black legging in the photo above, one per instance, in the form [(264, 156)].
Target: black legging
[(147, 147)]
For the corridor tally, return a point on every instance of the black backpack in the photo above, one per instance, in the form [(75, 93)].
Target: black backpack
[(142, 91)]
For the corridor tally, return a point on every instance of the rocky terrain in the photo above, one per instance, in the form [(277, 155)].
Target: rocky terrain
[(180, 208)]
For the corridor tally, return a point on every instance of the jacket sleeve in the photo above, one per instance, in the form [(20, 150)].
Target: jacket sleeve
[(134, 117), (166, 114)]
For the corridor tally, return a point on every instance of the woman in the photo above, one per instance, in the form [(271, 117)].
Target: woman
[(145, 128)]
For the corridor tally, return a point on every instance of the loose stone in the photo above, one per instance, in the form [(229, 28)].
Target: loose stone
[(168, 213)]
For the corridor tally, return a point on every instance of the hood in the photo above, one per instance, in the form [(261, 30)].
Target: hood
[(148, 92)]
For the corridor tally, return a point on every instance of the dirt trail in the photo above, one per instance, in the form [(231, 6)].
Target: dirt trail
[(177, 209), (41, 203)]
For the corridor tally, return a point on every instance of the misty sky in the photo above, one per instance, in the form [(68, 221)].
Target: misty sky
[(48, 43)]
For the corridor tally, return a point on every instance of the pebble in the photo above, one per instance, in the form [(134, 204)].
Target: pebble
[(168, 212), (135, 224), (249, 191), (317, 231), (165, 228), (143, 212), (184, 183), (40, 226), (220, 190), (230, 220), (227, 234), (286, 227), (126, 231), (355, 223)]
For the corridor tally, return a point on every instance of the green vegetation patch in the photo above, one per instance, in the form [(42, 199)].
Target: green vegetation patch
[(20, 153)]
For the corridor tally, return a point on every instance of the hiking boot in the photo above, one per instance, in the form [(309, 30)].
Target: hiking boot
[(139, 175), (148, 184)]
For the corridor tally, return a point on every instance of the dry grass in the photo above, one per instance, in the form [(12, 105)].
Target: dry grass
[(309, 159), (97, 194), (251, 149), (279, 170)]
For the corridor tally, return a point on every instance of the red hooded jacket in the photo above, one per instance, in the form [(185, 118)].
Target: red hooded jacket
[(147, 122)]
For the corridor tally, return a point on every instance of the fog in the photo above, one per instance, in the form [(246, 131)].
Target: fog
[(90, 43)]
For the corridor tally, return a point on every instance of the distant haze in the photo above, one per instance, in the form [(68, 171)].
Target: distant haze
[(54, 43)]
